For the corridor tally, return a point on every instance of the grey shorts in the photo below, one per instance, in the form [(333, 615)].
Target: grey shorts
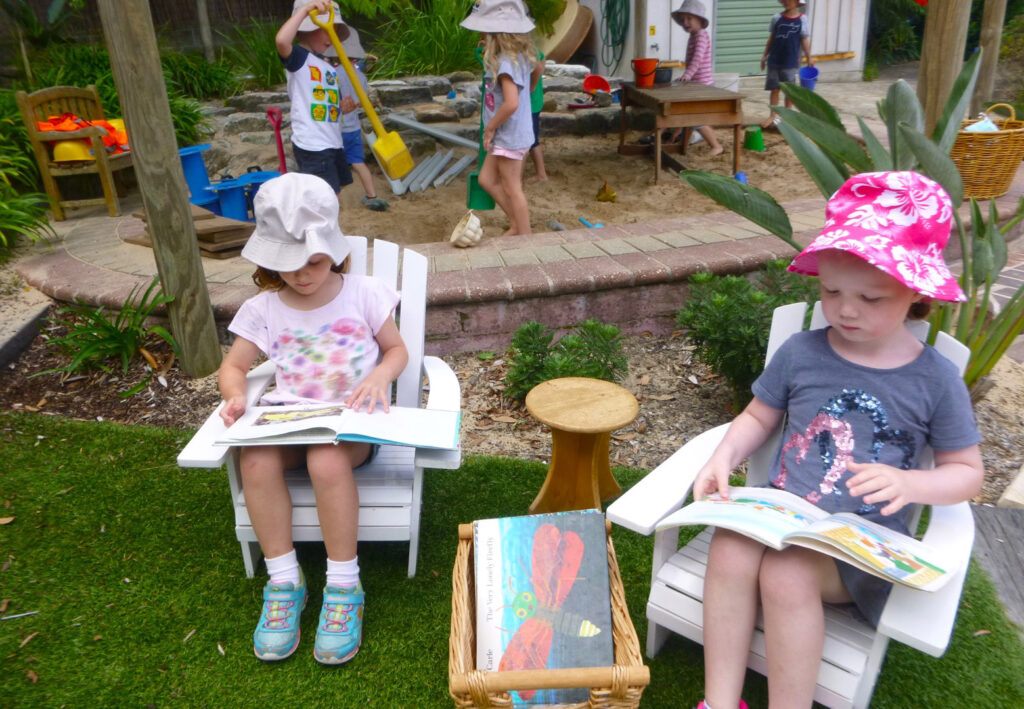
[(780, 75)]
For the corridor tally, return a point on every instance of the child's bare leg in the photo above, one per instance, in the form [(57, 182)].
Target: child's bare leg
[(708, 133), (510, 172), (337, 497), (730, 610), (365, 178), (266, 495), (773, 101), (794, 583), (491, 181), (540, 172)]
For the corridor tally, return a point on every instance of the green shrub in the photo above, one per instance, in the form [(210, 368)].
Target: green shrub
[(94, 337), (197, 78), (426, 39), (252, 50), (728, 318), (593, 349)]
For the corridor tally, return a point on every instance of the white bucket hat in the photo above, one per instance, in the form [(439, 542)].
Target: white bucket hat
[(352, 46), (493, 16), (307, 23), (691, 7), (296, 218)]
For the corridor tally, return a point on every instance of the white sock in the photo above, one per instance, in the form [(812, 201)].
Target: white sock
[(284, 569), (343, 574)]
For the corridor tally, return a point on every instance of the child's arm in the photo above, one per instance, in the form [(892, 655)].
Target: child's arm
[(231, 378), (745, 435), (957, 476), (394, 357), (286, 35), (538, 71), (805, 42), (511, 93), (768, 46)]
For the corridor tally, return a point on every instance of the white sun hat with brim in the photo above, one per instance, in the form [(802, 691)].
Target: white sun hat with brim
[(691, 7), (352, 46), (296, 218), (495, 16), (309, 26)]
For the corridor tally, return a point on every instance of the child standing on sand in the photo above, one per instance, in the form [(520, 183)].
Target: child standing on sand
[(788, 33), (508, 130), (693, 18)]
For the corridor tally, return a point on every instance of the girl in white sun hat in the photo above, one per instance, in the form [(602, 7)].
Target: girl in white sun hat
[(509, 59), (860, 398), (334, 339)]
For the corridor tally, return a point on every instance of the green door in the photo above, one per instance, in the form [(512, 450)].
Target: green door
[(741, 32)]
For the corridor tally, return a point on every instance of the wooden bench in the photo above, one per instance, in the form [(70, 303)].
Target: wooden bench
[(84, 103)]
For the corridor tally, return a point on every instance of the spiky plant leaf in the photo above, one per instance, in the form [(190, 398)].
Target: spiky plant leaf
[(749, 202)]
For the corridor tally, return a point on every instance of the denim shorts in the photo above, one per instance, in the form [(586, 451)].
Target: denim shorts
[(330, 164), (535, 117), (353, 141), (780, 75)]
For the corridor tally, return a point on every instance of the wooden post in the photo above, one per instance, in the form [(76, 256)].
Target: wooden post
[(991, 37), (135, 61), (942, 55)]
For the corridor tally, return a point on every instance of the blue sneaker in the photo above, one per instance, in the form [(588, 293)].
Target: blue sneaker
[(340, 630), (277, 635)]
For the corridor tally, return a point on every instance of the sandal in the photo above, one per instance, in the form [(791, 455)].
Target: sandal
[(277, 634), (340, 630)]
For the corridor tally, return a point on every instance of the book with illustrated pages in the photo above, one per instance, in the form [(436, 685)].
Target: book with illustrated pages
[(777, 518), (542, 597), (326, 423)]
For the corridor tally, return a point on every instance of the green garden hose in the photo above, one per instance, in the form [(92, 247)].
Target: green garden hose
[(614, 26)]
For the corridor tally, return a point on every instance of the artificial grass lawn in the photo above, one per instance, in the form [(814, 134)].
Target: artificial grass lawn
[(137, 578)]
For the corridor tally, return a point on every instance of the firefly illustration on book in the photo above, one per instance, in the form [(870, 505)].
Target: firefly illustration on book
[(555, 562)]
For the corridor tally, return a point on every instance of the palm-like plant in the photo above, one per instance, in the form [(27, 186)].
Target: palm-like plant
[(830, 155)]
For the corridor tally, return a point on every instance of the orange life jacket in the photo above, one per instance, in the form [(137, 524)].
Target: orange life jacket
[(115, 141)]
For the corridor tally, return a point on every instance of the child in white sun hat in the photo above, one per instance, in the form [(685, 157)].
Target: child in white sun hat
[(316, 103), (861, 399), (693, 18), (509, 60), (334, 339)]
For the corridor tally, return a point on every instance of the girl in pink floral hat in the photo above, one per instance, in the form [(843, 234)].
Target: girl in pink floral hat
[(861, 398)]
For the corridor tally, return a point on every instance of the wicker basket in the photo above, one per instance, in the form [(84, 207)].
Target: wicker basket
[(988, 161), (615, 687)]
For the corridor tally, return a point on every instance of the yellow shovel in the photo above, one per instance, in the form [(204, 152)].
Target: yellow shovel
[(391, 152)]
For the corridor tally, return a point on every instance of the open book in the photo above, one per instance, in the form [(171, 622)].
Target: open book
[(777, 518), (325, 423)]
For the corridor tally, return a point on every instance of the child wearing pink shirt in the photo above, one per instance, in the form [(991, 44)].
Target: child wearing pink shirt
[(693, 18)]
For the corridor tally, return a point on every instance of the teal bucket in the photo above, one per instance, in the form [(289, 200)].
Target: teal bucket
[(808, 77)]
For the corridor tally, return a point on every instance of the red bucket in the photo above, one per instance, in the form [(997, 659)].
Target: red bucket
[(592, 83), (644, 70)]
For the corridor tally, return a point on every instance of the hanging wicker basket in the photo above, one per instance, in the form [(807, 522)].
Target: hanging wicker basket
[(988, 160)]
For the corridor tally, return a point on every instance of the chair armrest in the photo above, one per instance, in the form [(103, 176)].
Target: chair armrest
[(444, 394), (664, 489), (922, 619), (201, 451), (82, 133)]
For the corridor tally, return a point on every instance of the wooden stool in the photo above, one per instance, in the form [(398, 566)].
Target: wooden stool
[(582, 413)]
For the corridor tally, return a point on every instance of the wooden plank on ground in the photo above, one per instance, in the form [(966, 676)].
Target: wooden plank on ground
[(999, 550), (197, 213)]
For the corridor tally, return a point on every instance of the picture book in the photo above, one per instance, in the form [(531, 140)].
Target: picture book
[(324, 423), (778, 518), (542, 597)]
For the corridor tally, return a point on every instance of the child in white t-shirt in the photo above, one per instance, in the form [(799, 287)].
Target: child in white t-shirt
[(334, 339)]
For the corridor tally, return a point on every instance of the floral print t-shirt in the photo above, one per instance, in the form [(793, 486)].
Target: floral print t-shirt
[(321, 354)]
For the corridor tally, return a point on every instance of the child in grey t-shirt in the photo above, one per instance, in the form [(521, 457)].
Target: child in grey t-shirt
[(860, 400)]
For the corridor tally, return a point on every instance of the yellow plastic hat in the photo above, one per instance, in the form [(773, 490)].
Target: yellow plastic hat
[(72, 150)]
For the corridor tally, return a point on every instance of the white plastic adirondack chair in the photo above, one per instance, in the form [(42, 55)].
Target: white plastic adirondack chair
[(853, 651), (390, 487)]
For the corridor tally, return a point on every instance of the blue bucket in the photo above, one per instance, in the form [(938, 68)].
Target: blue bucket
[(808, 77)]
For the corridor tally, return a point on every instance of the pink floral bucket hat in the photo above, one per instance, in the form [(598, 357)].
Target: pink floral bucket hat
[(899, 222)]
